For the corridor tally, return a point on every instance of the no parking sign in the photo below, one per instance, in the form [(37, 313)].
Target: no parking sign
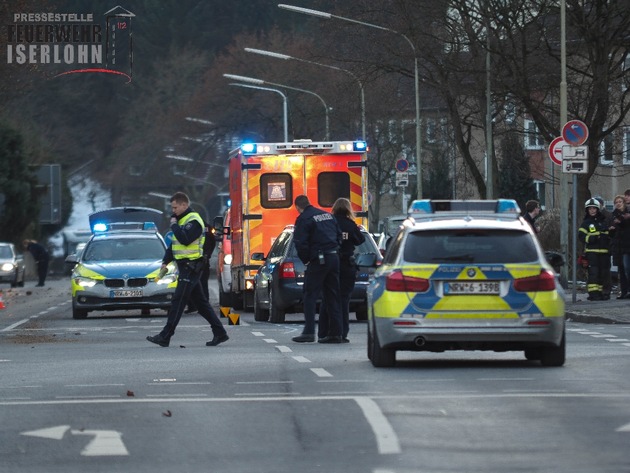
[(575, 133)]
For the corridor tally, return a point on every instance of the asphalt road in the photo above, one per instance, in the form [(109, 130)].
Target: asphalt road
[(93, 395)]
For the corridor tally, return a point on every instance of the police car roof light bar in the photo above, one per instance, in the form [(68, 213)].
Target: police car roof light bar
[(426, 208)]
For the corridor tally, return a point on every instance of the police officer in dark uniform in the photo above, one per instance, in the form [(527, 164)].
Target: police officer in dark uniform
[(317, 237), (186, 249), (41, 257), (351, 237)]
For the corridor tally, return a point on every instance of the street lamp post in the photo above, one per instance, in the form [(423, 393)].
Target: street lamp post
[(255, 81), (293, 58), (328, 16), (284, 105)]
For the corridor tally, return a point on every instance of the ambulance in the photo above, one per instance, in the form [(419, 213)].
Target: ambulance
[(265, 179)]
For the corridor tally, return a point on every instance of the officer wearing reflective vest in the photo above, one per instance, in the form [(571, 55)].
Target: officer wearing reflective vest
[(594, 234), (186, 249)]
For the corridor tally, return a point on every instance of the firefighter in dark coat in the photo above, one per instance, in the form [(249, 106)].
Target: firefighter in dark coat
[(594, 234)]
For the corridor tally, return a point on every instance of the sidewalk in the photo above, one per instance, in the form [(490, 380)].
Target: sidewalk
[(613, 311)]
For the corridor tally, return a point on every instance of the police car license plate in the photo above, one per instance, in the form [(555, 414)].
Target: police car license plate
[(471, 287), (126, 293)]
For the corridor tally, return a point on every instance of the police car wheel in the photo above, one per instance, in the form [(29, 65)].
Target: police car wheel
[(554, 356), (79, 313), (382, 357), (369, 343)]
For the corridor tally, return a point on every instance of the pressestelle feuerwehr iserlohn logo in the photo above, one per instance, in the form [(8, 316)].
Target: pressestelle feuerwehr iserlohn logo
[(73, 42)]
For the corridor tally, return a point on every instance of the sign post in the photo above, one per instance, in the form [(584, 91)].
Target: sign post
[(574, 161)]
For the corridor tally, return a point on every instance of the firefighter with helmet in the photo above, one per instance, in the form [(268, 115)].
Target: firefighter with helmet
[(594, 234)]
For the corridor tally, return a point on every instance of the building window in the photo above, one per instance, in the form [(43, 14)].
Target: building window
[(626, 146), (606, 151), (533, 138), (540, 192)]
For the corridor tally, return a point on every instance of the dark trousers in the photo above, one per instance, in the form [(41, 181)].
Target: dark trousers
[(623, 278), (347, 278), (42, 271), (322, 279), (598, 271), (189, 288)]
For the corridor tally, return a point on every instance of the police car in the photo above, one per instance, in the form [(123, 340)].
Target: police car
[(466, 275), (119, 266)]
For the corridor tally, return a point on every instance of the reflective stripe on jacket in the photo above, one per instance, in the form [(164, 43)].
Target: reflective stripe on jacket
[(195, 249)]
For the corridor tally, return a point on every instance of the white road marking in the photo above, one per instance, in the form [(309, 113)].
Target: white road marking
[(264, 382), (16, 324), (104, 443), (619, 340), (283, 349), (386, 438), (258, 334), (321, 372), (270, 340), (301, 359)]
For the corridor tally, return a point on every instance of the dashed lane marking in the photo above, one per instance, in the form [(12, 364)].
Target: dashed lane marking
[(301, 359), (283, 349), (321, 372)]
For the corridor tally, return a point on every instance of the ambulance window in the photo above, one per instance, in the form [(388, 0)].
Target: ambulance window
[(276, 191), (331, 186)]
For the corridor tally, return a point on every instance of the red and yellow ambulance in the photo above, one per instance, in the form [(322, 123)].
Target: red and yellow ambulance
[(265, 179)]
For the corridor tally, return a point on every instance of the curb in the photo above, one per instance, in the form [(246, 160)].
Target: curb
[(592, 319)]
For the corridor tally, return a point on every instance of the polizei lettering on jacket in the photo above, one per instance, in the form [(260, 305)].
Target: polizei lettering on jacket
[(322, 217)]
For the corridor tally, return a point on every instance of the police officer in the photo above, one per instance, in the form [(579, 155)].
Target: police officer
[(41, 257), (594, 234), (186, 249), (317, 237), (351, 237)]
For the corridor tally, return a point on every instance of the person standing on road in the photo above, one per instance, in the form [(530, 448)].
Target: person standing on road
[(351, 237), (208, 248), (594, 233), (621, 243), (186, 249), (608, 219), (41, 257), (532, 209), (317, 237)]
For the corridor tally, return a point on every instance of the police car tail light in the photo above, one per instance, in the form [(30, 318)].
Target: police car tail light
[(398, 282), (287, 270), (545, 281)]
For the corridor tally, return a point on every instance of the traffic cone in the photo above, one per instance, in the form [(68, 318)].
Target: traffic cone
[(2, 306)]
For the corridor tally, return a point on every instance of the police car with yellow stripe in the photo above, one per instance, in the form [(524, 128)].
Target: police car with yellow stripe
[(466, 275), (119, 268)]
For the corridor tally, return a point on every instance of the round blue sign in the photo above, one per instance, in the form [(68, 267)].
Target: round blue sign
[(402, 165)]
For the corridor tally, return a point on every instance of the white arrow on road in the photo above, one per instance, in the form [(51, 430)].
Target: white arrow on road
[(104, 443)]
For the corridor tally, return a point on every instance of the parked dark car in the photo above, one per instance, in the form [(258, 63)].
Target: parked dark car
[(279, 282)]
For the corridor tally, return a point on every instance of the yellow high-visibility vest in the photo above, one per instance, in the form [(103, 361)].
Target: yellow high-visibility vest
[(195, 249)]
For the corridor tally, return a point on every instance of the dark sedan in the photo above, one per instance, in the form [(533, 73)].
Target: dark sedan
[(280, 280)]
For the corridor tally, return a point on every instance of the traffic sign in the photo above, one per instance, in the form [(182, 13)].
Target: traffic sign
[(575, 132), (402, 165), (402, 179), (575, 159), (555, 150)]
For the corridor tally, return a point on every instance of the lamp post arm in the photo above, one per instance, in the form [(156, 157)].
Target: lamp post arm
[(284, 105)]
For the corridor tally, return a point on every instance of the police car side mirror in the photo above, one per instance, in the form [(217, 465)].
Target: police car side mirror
[(71, 259)]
